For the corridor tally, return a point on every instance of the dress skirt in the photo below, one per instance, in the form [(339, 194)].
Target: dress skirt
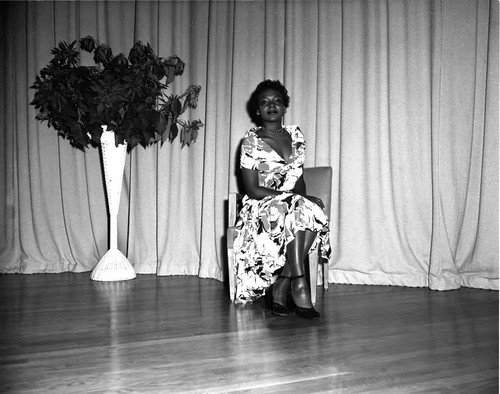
[(265, 227)]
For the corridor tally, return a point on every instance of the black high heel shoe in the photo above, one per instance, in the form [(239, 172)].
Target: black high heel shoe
[(276, 308), (305, 313)]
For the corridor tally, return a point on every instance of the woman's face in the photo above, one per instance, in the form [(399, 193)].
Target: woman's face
[(270, 105)]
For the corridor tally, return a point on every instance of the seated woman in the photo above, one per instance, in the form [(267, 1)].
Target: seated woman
[(279, 224)]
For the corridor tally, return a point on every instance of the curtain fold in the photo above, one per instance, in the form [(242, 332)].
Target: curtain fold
[(461, 36), (399, 97)]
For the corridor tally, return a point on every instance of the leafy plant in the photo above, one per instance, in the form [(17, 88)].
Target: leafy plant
[(126, 94)]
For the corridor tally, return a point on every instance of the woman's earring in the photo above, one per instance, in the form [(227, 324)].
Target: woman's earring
[(258, 112)]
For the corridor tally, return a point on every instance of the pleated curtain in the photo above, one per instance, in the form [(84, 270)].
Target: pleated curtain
[(399, 97)]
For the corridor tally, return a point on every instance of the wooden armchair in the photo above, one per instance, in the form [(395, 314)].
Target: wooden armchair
[(318, 183)]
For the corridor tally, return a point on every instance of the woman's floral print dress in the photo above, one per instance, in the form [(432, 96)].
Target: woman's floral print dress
[(266, 226)]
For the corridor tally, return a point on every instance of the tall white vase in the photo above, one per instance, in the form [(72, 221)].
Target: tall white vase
[(113, 266)]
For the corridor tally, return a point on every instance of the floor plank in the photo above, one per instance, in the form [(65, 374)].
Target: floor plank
[(63, 333)]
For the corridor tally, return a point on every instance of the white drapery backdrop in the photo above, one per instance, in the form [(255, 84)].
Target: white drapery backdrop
[(399, 97)]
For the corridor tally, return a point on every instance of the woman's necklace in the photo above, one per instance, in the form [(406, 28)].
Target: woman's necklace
[(273, 132)]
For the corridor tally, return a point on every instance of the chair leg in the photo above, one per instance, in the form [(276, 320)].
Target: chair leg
[(313, 275), (230, 274), (230, 264), (326, 275)]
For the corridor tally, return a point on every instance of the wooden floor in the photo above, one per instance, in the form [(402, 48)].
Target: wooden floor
[(63, 333)]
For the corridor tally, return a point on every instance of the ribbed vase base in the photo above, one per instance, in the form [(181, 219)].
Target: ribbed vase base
[(113, 266)]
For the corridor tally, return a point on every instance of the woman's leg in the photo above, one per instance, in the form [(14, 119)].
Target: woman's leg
[(309, 237), (297, 251), (281, 286)]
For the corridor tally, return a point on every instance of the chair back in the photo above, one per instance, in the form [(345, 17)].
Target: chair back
[(319, 184)]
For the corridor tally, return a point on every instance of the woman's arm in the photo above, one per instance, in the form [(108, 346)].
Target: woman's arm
[(252, 187), (257, 192)]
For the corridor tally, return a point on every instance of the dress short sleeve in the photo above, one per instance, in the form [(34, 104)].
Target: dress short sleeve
[(247, 157)]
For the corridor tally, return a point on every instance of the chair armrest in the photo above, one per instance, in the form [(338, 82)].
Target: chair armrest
[(230, 237), (233, 209)]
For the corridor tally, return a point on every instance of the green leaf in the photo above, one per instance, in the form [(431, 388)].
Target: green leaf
[(174, 130), (161, 124), (166, 135), (170, 73), (176, 107)]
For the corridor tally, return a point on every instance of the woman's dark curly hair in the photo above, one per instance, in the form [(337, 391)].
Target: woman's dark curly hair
[(253, 104)]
